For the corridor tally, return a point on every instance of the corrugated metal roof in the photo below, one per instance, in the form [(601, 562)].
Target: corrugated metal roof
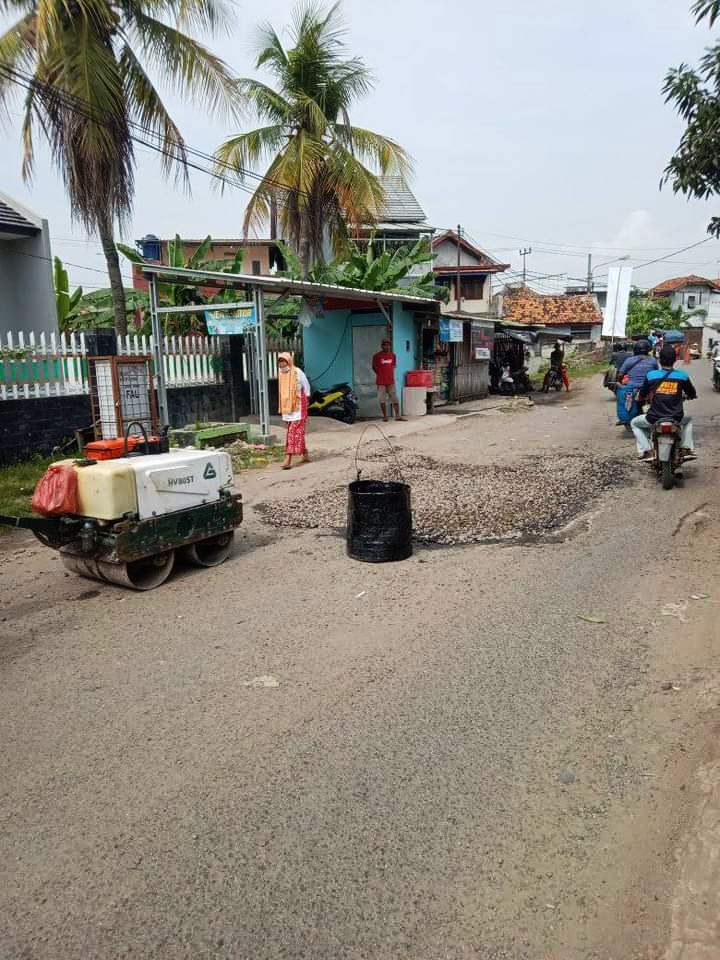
[(400, 205), (281, 285)]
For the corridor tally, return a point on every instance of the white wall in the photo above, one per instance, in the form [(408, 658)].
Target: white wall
[(445, 255)]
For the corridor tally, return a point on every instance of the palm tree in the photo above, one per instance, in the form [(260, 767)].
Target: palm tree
[(320, 174), (83, 64)]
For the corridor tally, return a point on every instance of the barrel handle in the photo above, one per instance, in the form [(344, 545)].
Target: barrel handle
[(385, 437)]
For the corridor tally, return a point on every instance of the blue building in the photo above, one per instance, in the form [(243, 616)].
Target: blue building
[(347, 330)]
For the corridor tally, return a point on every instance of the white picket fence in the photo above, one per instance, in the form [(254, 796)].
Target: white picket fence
[(42, 366), (188, 361), (49, 365)]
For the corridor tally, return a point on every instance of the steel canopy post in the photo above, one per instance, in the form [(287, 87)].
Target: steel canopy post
[(262, 379), (157, 350)]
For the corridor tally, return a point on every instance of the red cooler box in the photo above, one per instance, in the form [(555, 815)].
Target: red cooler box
[(419, 378)]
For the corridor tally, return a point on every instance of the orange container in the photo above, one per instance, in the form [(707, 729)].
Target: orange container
[(110, 449)]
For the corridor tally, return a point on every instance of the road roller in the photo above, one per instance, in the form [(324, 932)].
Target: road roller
[(125, 520)]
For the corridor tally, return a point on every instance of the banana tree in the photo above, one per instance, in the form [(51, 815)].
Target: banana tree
[(65, 302), (182, 294)]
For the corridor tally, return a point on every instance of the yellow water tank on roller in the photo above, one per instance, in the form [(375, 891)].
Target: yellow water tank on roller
[(106, 489)]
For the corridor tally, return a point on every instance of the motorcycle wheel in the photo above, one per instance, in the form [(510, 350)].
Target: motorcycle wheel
[(628, 427), (558, 386), (716, 384), (668, 480)]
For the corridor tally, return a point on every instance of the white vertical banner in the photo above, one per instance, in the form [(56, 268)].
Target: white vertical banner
[(618, 297)]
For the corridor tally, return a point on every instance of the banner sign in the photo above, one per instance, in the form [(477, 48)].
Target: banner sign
[(228, 324), (618, 297), (451, 331)]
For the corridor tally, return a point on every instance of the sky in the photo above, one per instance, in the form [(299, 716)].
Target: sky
[(531, 124)]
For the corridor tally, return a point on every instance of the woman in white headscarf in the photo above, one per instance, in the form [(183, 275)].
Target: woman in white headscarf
[(294, 393)]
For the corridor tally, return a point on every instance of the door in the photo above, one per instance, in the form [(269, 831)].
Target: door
[(366, 342)]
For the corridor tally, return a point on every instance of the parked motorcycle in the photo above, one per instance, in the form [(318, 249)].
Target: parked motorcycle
[(521, 378), (665, 437), (338, 402)]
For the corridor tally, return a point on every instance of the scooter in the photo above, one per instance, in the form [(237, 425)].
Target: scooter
[(338, 402), (554, 379), (522, 381)]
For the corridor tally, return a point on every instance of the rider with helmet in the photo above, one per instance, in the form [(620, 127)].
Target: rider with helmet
[(637, 367)]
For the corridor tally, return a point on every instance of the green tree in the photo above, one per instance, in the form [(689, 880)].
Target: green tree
[(321, 169), (694, 169), (646, 315), (65, 302), (183, 294), (97, 309), (84, 66)]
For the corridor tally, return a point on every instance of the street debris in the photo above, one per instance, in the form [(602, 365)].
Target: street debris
[(675, 610), (266, 680), (457, 503), (699, 596), (668, 685), (582, 616), (361, 594)]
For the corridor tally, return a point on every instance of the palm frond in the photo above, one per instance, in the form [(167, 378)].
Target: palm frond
[(386, 154), (145, 105), (191, 69), (266, 103), (246, 150), (207, 16)]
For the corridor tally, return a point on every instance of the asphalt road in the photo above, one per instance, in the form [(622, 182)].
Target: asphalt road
[(467, 755)]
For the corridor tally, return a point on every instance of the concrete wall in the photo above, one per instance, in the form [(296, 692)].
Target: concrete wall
[(404, 343), (27, 295), (327, 348), (445, 255), (40, 425), (327, 344)]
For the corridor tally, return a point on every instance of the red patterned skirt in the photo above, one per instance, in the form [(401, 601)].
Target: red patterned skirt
[(295, 440)]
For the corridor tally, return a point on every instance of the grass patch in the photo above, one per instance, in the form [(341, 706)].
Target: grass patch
[(17, 484), (586, 368), (248, 458)]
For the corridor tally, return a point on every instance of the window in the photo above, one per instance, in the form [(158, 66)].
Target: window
[(256, 268), (472, 287), (691, 301)]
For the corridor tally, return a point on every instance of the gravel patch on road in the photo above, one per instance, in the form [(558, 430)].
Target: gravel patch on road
[(458, 503)]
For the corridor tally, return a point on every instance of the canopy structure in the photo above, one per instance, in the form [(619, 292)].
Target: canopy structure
[(330, 294)]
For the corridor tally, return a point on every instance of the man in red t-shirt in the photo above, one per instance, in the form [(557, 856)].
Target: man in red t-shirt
[(384, 363)]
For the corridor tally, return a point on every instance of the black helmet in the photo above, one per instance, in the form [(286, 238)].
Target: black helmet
[(643, 346)]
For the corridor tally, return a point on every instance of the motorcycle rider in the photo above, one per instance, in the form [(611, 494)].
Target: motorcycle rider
[(557, 362), (630, 378), (637, 367), (664, 389)]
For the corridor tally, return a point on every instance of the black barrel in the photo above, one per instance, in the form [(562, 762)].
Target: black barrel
[(379, 526)]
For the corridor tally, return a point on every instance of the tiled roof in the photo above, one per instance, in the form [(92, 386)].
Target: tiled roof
[(527, 306), (677, 283), (13, 219), (400, 202)]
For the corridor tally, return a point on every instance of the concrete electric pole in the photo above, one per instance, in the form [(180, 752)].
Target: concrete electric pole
[(525, 252)]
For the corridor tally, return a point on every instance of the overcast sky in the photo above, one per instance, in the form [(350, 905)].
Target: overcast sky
[(531, 124)]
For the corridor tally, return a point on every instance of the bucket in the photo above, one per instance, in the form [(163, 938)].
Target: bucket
[(379, 526)]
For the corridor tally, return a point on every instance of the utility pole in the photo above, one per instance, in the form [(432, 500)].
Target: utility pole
[(457, 281), (525, 252), (589, 274)]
